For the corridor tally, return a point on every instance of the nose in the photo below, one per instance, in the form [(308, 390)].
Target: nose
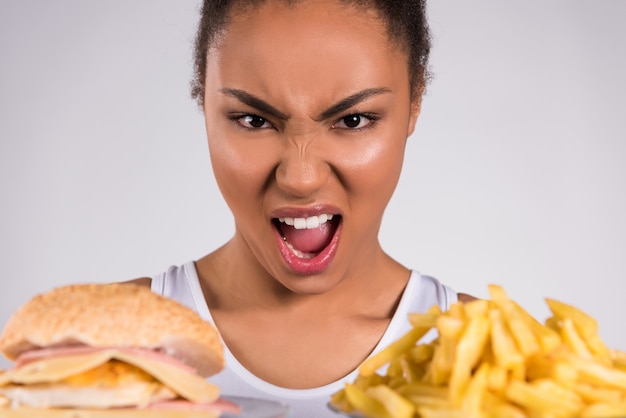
[(302, 170)]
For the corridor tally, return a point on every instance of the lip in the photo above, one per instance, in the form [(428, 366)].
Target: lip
[(319, 263)]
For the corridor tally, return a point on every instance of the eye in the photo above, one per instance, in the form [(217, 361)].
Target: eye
[(355, 121), (253, 122)]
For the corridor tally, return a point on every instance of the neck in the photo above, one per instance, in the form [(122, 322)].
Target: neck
[(373, 287)]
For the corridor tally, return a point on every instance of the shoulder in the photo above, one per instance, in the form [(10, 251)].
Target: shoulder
[(141, 281), (464, 297)]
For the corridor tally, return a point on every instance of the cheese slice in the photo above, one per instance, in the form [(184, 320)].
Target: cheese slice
[(188, 385), (54, 369)]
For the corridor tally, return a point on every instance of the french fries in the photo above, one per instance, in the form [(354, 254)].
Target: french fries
[(492, 359)]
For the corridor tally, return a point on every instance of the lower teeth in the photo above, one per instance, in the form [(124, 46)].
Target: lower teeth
[(299, 253)]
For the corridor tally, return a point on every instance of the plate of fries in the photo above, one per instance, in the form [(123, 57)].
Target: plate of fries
[(491, 359)]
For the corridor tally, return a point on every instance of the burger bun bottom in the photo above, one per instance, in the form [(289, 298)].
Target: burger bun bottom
[(97, 413)]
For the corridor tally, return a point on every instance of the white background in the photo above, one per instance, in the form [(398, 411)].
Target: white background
[(515, 175)]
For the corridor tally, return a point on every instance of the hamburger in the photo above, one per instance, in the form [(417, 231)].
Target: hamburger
[(94, 349)]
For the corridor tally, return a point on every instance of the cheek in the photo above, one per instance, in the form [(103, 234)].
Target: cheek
[(239, 167), (372, 170)]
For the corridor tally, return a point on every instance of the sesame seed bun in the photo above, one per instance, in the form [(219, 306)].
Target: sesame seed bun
[(113, 315)]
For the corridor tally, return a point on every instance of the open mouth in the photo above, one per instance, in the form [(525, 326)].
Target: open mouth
[(308, 237)]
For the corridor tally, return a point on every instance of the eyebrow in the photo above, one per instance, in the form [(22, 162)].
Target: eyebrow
[(263, 106), (255, 102), (350, 101)]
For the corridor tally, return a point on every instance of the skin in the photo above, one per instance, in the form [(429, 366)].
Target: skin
[(302, 60)]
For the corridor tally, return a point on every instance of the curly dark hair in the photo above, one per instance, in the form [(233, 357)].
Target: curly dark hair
[(406, 23)]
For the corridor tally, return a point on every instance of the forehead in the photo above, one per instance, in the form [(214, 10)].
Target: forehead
[(308, 17), (266, 17), (303, 43)]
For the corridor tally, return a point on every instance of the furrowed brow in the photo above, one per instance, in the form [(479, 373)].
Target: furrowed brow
[(253, 101), (350, 101)]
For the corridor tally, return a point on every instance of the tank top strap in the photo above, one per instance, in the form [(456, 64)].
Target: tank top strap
[(181, 284)]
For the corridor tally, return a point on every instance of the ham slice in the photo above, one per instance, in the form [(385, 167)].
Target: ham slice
[(49, 352)]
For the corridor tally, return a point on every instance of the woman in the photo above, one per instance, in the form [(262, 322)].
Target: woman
[(308, 106)]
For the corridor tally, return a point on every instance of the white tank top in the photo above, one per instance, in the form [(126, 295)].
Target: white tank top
[(181, 283)]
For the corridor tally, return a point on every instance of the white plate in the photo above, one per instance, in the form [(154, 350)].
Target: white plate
[(258, 408), (345, 414)]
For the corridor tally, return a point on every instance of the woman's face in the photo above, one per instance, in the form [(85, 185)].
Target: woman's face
[(307, 113)]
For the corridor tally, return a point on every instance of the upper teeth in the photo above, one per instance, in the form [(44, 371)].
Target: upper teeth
[(307, 223)]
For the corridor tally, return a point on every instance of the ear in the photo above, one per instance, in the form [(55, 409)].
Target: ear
[(416, 107)]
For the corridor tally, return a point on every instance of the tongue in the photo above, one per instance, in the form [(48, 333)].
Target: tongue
[(309, 240)]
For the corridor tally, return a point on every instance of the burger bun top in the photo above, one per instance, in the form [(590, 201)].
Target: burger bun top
[(113, 315)]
